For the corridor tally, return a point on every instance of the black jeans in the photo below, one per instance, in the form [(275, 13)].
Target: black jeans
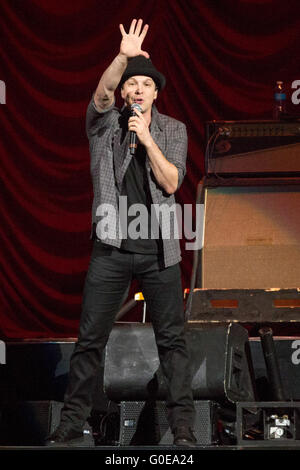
[(106, 288)]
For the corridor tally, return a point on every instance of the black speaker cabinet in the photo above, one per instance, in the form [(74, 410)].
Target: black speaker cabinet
[(29, 423), (220, 363), (145, 423)]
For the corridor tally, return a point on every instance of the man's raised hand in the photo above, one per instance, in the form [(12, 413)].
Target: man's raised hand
[(131, 44)]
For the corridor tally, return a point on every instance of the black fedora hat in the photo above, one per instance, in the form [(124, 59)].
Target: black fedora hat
[(140, 65)]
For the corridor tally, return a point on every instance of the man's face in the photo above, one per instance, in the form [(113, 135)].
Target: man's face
[(141, 90)]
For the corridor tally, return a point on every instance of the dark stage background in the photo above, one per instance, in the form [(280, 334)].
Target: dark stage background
[(221, 60)]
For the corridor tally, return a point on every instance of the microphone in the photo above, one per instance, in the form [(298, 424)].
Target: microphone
[(133, 140)]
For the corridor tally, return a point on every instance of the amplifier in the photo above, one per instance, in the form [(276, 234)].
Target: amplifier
[(244, 148), (251, 236), (145, 423)]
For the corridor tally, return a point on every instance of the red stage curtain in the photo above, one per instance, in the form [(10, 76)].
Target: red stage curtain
[(221, 60)]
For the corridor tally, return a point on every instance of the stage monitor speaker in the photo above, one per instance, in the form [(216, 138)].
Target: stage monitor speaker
[(29, 423), (219, 355), (145, 423), (251, 238)]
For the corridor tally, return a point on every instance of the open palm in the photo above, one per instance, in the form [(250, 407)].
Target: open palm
[(131, 44)]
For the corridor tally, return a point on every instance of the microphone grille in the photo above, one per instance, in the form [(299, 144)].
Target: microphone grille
[(136, 106)]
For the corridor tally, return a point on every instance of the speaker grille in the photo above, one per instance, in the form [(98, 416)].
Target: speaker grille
[(143, 423), (251, 238)]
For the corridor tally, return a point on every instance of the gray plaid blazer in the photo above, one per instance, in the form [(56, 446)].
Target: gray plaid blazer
[(110, 157)]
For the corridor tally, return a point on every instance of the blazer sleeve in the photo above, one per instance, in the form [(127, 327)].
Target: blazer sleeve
[(177, 144), (99, 120)]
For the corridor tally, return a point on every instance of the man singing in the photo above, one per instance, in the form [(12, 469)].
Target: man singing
[(147, 174)]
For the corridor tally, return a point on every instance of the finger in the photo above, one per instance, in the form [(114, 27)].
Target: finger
[(123, 32), (138, 27), (132, 26), (145, 54), (138, 112), (137, 115), (133, 120), (132, 127), (144, 32)]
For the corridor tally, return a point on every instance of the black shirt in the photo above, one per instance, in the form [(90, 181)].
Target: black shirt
[(136, 187)]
